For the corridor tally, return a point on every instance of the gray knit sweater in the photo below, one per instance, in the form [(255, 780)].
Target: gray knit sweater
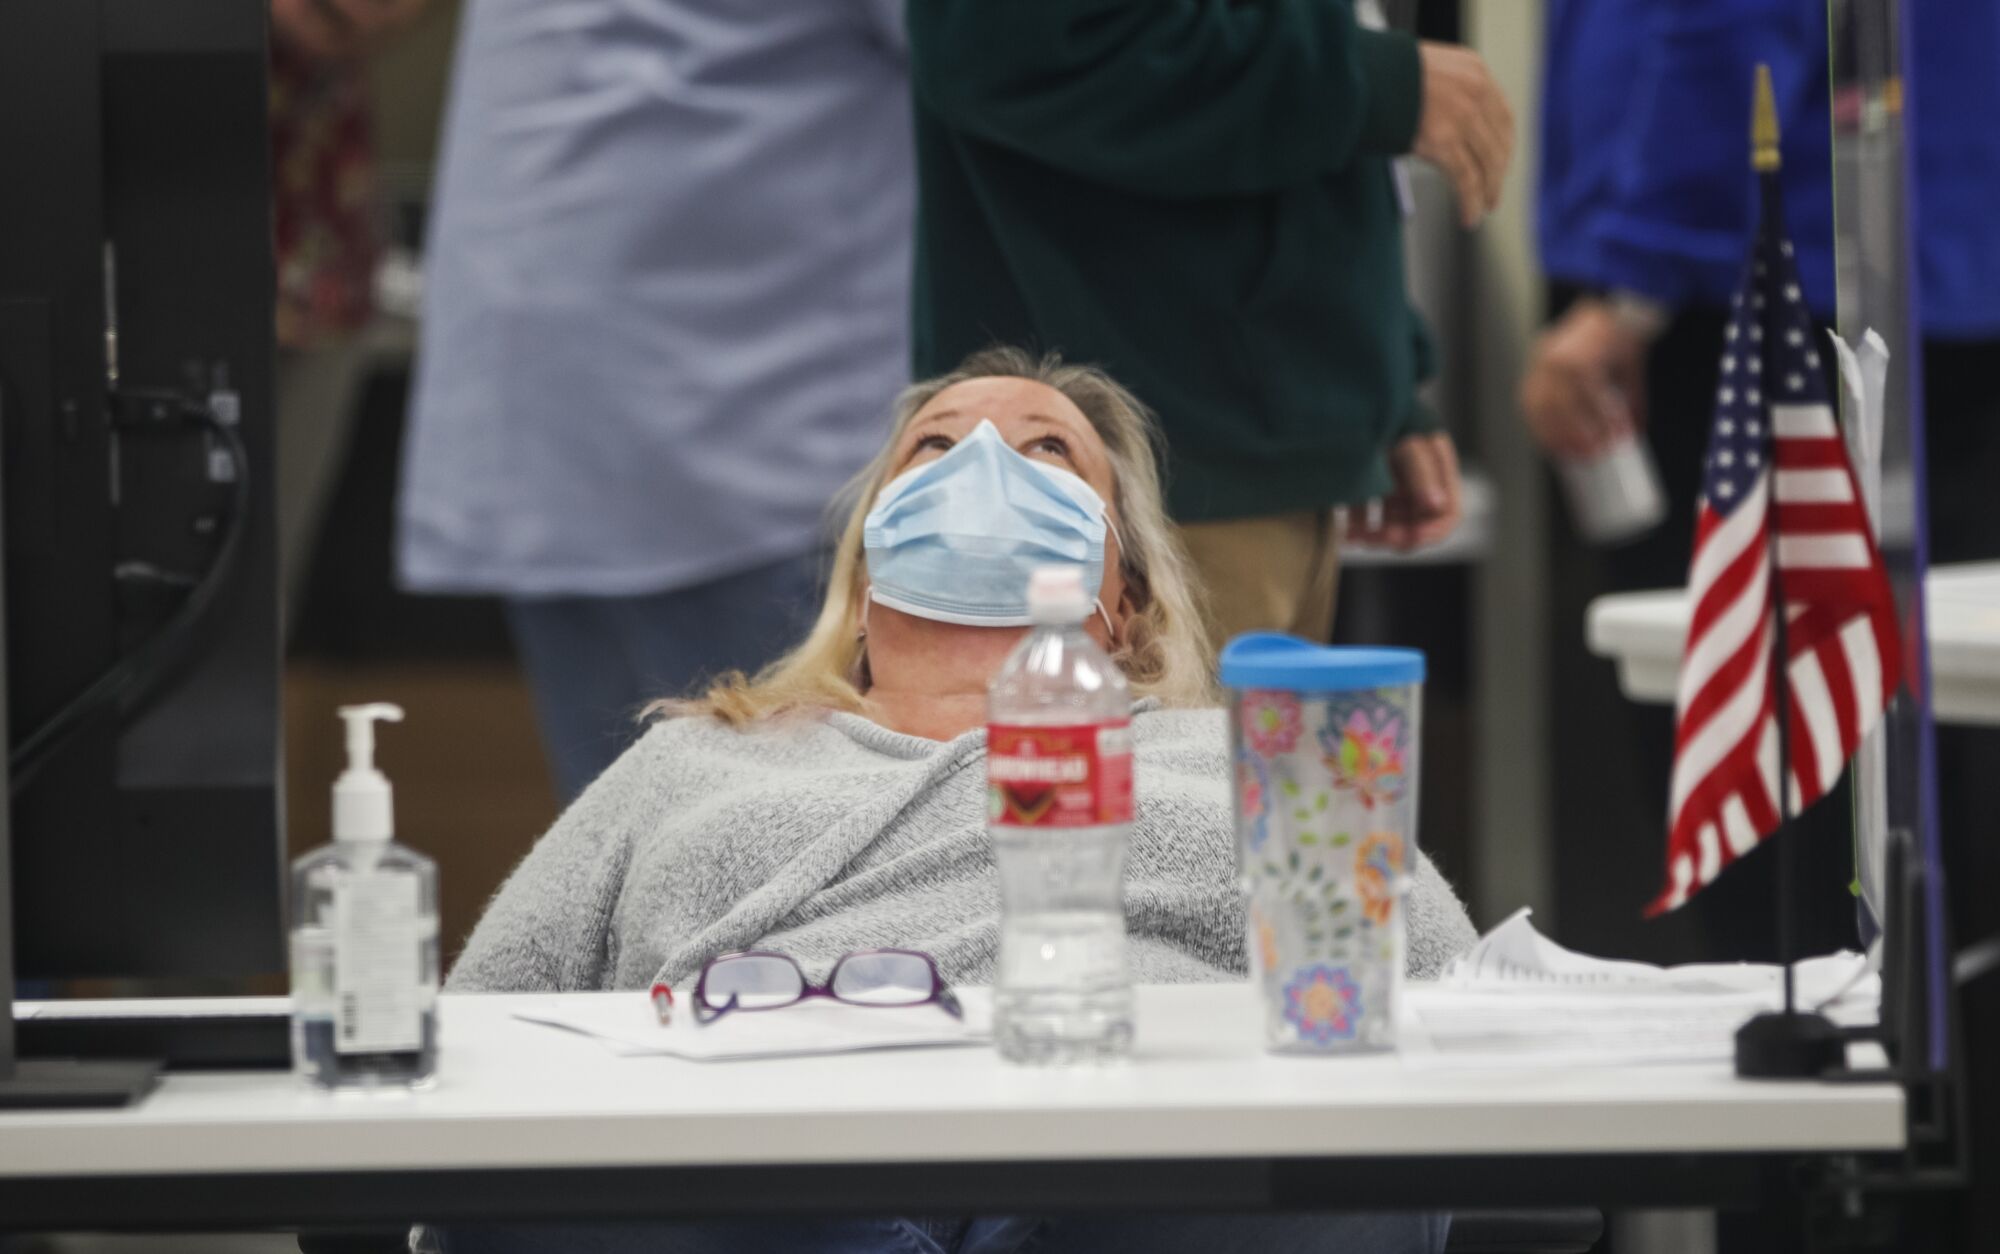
[(818, 835)]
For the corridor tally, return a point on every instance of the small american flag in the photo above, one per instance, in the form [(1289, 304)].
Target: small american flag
[(1775, 460)]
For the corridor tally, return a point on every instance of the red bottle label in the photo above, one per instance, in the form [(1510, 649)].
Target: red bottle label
[(1059, 776)]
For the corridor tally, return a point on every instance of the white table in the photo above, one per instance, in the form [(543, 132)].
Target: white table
[(529, 1121), (1644, 633)]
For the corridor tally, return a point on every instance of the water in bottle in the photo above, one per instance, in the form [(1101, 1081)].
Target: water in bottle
[(1059, 773)]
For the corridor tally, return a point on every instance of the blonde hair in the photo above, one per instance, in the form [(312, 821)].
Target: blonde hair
[(1165, 652)]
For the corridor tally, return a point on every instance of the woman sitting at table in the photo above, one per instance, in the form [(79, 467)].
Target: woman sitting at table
[(836, 802)]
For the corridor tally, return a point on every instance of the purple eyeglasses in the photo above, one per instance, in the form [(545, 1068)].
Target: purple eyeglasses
[(868, 977)]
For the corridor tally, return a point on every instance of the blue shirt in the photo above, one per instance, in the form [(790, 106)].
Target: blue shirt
[(1645, 180), (667, 290)]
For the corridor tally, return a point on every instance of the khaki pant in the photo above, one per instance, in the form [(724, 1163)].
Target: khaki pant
[(1277, 573)]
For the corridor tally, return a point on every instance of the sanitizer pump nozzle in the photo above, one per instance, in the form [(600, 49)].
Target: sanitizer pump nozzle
[(362, 801)]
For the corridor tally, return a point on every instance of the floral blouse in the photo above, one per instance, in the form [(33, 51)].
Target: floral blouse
[(323, 176)]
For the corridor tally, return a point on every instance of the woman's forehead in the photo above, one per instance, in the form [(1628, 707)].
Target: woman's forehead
[(998, 399)]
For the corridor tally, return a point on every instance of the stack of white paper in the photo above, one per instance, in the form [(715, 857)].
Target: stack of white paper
[(1518, 998), (628, 1026), (1515, 954)]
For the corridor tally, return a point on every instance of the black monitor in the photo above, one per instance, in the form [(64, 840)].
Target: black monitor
[(136, 345)]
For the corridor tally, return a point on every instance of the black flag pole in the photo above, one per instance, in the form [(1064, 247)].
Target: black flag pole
[(1765, 159), (1791, 1043)]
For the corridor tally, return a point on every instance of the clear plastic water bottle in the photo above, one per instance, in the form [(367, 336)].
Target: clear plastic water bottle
[(1059, 786)]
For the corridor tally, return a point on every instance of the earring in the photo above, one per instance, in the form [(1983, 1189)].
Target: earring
[(862, 634)]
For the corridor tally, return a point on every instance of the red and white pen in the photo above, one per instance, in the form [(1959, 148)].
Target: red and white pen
[(663, 1002)]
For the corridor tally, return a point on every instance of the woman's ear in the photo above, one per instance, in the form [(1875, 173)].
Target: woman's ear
[(863, 677), (1131, 603)]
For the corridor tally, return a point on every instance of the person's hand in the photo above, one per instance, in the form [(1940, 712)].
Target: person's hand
[(1425, 504), (1465, 128), (340, 28), (1585, 388)]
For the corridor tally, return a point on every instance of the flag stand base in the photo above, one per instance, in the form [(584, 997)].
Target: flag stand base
[(1789, 1045)]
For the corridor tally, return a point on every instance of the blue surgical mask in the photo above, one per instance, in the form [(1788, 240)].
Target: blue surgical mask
[(954, 540)]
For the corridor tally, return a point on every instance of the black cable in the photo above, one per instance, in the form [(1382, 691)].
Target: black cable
[(135, 679)]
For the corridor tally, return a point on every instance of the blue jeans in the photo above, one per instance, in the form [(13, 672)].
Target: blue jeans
[(1413, 1233), (595, 662)]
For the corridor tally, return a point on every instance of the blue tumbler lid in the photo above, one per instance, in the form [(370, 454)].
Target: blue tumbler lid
[(1269, 659)]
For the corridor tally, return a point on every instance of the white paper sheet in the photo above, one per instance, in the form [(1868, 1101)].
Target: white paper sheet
[(1451, 1028), (1515, 954), (629, 1028), (1519, 999)]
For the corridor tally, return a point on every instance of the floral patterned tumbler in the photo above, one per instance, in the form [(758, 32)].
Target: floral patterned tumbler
[(1325, 743)]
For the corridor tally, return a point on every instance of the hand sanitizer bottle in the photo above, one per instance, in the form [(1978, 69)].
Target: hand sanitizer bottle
[(364, 937)]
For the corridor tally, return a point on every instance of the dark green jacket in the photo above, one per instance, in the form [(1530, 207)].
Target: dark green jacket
[(1195, 195)]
